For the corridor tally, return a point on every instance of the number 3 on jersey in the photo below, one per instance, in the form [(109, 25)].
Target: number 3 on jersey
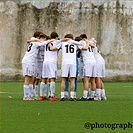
[(69, 48), (29, 47)]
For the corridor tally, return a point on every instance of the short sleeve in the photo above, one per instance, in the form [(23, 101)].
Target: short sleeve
[(83, 43), (57, 44)]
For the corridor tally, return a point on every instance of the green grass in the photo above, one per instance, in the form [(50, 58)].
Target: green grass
[(18, 116)]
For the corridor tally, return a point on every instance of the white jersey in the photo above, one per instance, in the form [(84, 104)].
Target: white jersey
[(69, 49), (40, 55), (51, 56), (68, 53), (31, 53), (98, 57), (87, 55)]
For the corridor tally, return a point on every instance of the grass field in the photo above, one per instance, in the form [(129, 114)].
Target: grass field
[(18, 116)]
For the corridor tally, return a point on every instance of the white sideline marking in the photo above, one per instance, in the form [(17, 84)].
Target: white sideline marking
[(128, 86), (9, 93)]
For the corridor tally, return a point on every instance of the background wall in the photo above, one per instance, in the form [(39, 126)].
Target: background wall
[(110, 22)]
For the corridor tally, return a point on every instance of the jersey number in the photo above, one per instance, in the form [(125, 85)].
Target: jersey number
[(48, 48), (29, 47), (69, 48), (90, 49)]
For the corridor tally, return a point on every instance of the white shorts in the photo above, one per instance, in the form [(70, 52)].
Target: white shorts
[(90, 69), (68, 70), (28, 69), (49, 70), (38, 70), (100, 70)]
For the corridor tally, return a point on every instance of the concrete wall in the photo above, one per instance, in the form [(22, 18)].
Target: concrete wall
[(110, 22)]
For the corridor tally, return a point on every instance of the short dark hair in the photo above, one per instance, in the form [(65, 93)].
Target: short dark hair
[(78, 38), (42, 36), (69, 36), (53, 35), (37, 34), (48, 37), (83, 36)]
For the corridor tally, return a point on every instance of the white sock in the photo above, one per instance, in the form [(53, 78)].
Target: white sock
[(89, 90), (66, 93), (49, 92), (26, 91), (72, 94), (98, 92), (92, 94), (103, 92), (62, 94), (52, 88), (31, 93), (42, 89), (85, 93), (36, 90)]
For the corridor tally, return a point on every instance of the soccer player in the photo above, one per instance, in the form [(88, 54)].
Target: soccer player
[(28, 65), (69, 65), (77, 72), (50, 67), (100, 73), (38, 66), (33, 87), (88, 65)]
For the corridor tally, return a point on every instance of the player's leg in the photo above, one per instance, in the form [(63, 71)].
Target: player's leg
[(64, 75), (76, 87), (92, 69), (52, 76), (52, 89), (98, 88), (27, 72), (66, 89), (103, 95), (26, 87), (31, 86), (72, 74), (93, 88), (38, 76), (86, 86), (86, 74), (44, 81), (72, 87), (43, 89), (100, 72), (63, 86), (36, 86), (76, 79), (49, 91)]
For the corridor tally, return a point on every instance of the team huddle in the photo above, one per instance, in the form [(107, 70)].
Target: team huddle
[(40, 62)]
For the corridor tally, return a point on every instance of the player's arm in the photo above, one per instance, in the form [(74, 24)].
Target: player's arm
[(33, 40), (90, 43), (49, 41), (80, 43), (58, 44), (65, 39), (85, 47), (46, 42), (53, 48)]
